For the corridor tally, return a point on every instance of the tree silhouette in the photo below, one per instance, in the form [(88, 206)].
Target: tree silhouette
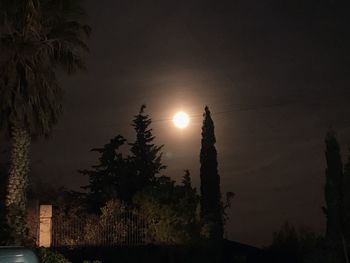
[(211, 211), (4, 235), (186, 180), (106, 179), (145, 155), (333, 188), (286, 243), (189, 202), (36, 37), (346, 200), (122, 177), (170, 211)]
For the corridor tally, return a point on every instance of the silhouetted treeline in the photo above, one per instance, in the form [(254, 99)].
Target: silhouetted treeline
[(121, 176), (134, 178)]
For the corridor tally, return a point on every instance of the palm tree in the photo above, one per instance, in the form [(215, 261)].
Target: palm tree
[(37, 37)]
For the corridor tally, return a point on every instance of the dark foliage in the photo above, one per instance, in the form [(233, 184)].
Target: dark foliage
[(346, 200), (50, 256), (4, 231), (150, 253), (333, 188), (146, 156), (211, 212), (109, 179), (170, 211), (189, 197), (36, 38), (301, 246), (121, 177)]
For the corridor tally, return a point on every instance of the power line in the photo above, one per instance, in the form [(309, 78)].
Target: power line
[(193, 116), (249, 108)]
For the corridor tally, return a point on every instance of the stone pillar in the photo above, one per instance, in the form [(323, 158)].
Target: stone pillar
[(45, 227)]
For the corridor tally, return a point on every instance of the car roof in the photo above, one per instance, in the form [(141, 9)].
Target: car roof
[(17, 255)]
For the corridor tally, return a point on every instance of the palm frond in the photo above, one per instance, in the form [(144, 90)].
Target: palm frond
[(37, 37)]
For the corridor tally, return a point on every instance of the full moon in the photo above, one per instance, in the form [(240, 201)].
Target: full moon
[(181, 120)]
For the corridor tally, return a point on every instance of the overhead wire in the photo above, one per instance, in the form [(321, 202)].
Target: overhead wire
[(255, 108)]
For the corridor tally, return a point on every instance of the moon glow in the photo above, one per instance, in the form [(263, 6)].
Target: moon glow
[(181, 120)]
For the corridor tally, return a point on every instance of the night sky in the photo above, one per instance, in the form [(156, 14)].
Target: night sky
[(275, 75)]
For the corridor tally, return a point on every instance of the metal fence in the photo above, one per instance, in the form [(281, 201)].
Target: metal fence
[(127, 229)]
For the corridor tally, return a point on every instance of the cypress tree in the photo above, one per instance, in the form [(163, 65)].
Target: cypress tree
[(146, 156), (346, 200), (211, 210), (333, 189)]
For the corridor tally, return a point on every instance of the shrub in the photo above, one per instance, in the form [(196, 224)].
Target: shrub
[(50, 256), (170, 212)]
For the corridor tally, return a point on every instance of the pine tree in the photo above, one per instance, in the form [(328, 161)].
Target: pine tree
[(146, 156), (211, 211), (106, 179), (333, 188), (122, 177)]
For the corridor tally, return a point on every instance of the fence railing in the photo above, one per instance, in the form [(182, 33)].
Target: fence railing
[(127, 229)]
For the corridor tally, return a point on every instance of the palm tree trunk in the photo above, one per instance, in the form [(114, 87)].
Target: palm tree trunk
[(17, 185)]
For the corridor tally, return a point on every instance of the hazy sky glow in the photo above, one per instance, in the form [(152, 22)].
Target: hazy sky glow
[(274, 75)]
